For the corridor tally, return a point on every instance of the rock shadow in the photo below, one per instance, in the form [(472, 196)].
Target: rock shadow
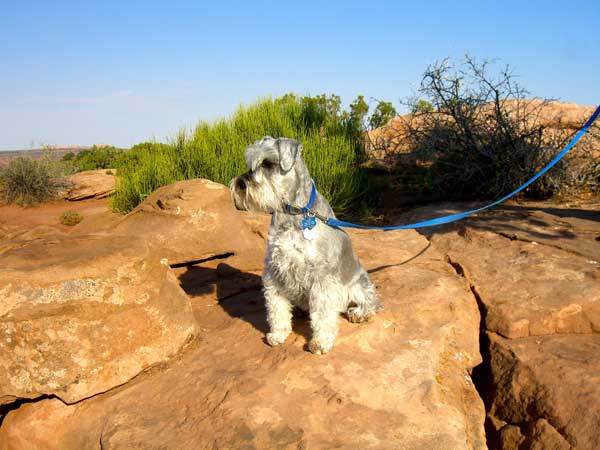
[(529, 222), (197, 280), (239, 294), (406, 261), (575, 213)]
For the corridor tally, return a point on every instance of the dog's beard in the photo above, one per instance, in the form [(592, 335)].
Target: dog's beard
[(259, 195)]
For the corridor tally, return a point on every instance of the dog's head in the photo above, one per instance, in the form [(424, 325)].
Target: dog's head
[(275, 173)]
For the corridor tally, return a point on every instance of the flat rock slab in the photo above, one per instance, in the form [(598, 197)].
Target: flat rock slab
[(15, 237), (571, 227), (96, 223), (15, 220), (91, 184), (525, 288), (81, 315), (547, 391), (399, 381)]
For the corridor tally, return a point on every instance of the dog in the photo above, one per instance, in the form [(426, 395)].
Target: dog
[(309, 265)]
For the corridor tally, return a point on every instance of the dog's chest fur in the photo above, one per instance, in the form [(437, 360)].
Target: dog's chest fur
[(292, 259)]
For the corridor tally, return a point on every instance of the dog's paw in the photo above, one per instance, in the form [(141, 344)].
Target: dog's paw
[(357, 315), (319, 347), (277, 337)]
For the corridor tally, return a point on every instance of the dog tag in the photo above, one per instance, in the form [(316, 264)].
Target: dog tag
[(309, 233), (309, 225)]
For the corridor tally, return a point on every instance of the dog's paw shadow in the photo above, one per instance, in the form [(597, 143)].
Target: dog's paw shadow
[(240, 295), (238, 292)]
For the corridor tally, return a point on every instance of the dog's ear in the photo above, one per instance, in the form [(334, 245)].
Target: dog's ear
[(289, 150)]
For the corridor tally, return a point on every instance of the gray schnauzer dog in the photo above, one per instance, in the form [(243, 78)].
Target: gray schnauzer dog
[(309, 264)]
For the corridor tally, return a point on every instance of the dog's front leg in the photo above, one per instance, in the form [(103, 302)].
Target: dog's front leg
[(279, 314), (323, 321)]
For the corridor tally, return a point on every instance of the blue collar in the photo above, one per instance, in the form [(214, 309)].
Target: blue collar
[(290, 209)]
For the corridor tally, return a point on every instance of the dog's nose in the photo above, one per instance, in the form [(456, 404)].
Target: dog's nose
[(240, 184)]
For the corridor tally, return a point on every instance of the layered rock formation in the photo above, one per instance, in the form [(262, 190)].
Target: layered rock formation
[(90, 184)]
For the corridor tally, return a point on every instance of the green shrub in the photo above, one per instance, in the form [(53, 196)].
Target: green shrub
[(95, 158), (335, 167), (333, 150), (70, 218), (26, 181), (150, 167), (69, 156)]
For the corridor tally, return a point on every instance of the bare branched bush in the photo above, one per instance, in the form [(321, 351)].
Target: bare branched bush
[(481, 136)]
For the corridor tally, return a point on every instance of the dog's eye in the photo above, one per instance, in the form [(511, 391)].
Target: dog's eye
[(267, 165)]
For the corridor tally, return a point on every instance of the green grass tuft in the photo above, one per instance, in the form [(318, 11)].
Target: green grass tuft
[(70, 218)]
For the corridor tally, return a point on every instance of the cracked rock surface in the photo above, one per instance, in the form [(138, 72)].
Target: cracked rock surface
[(535, 271)]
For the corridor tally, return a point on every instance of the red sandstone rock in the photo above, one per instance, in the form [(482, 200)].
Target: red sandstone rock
[(399, 381), (81, 315), (91, 184)]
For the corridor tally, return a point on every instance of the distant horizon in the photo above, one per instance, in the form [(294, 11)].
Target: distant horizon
[(43, 146), (60, 147), (116, 73)]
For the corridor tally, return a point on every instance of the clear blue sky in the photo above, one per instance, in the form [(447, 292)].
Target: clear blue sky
[(122, 72)]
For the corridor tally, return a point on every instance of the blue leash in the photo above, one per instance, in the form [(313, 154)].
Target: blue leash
[(444, 219)]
